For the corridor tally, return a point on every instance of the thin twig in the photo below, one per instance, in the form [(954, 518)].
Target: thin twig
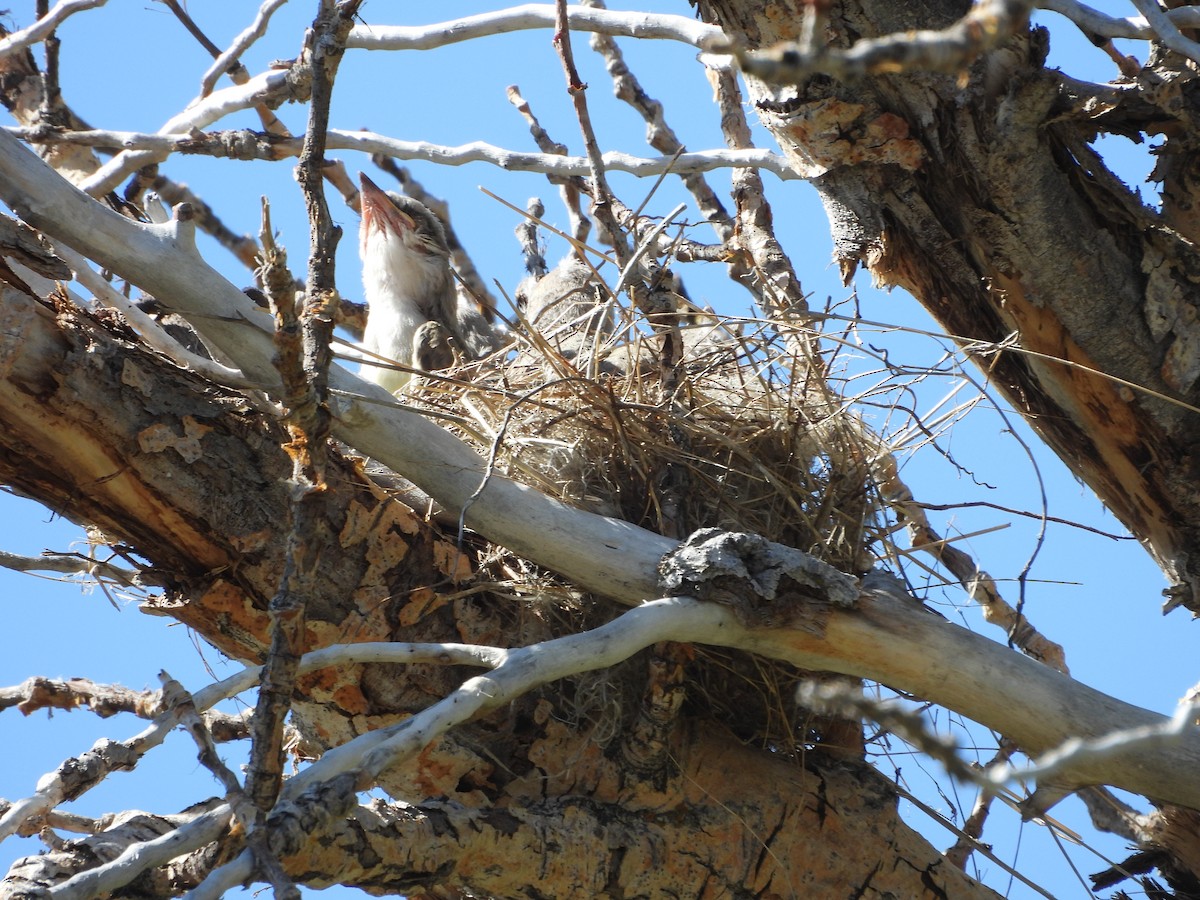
[(571, 187), (761, 266), (971, 836), (659, 134), (602, 207)]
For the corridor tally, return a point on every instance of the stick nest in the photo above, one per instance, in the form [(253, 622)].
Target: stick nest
[(739, 433)]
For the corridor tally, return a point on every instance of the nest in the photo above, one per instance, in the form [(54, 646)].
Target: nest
[(734, 432)]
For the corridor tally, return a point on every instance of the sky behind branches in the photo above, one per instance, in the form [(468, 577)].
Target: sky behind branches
[(132, 66)]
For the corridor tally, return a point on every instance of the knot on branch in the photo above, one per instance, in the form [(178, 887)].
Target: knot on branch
[(241, 143), (766, 584)]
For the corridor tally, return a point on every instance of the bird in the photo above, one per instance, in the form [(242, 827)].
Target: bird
[(568, 307), (569, 298), (407, 283)]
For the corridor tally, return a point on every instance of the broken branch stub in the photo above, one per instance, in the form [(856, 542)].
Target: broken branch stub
[(766, 584)]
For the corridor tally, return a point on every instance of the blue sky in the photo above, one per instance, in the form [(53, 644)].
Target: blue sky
[(131, 66)]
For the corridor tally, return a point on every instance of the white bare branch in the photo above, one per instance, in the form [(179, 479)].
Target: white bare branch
[(241, 43), (562, 166), (1065, 759), (150, 330), (138, 858), (206, 828), (52, 790), (222, 103), (1093, 22), (224, 878), (27, 37), (162, 145), (520, 671), (1167, 32), (357, 654), (538, 15)]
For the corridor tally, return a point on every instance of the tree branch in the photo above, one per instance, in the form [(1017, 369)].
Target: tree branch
[(269, 87), (1094, 23), (882, 638), (27, 37), (531, 16), (229, 58), (248, 145), (74, 564)]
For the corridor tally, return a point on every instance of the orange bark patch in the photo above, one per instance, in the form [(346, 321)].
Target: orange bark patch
[(449, 559), (833, 133), (1096, 402), (350, 699), (443, 768), (421, 602), (225, 616), (160, 437)]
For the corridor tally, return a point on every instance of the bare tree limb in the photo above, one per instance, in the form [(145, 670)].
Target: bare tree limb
[(255, 145), (195, 831), (27, 37), (570, 187), (303, 343), (533, 15), (103, 699), (659, 134), (74, 564), (240, 45), (272, 86), (241, 246), (1094, 23), (1166, 31), (151, 332)]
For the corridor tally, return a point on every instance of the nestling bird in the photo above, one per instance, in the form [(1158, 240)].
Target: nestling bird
[(407, 283)]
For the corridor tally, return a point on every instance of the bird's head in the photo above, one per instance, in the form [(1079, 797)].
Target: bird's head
[(393, 223)]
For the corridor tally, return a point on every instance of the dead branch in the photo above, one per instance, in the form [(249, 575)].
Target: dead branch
[(27, 37)]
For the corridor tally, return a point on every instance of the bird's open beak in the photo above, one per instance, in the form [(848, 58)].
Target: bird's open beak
[(378, 210)]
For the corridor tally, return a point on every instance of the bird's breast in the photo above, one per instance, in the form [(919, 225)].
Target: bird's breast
[(394, 274)]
